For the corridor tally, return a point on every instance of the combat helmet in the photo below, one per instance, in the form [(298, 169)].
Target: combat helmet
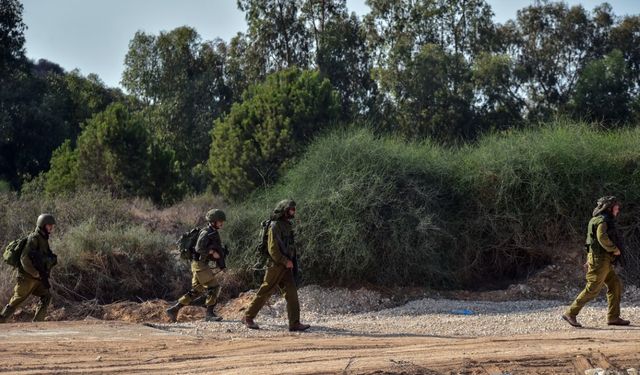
[(215, 215), (45, 219), (605, 203)]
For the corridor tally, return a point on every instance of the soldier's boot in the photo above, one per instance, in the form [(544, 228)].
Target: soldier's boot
[(571, 320), (299, 327), (172, 312), (41, 311), (211, 315), (249, 323), (618, 322), (6, 313)]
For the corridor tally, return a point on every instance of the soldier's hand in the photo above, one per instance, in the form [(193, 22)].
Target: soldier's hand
[(214, 254), (585, 266), (617, 252), (289, 264)]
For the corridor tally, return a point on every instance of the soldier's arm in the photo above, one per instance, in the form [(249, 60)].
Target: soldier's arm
[(207, 242), (274, 247), (605, 240), (25, 260)]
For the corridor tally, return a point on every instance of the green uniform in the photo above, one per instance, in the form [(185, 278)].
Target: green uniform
[(601, 271), (281, 249), (35, 255), (203, 280)]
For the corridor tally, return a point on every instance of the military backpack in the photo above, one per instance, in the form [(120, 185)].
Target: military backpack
[(263, 249), (187, 243), (13, 251)]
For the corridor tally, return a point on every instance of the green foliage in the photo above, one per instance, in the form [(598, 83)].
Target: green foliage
[(116, 151), (11, 35), (113, 263), (603, 91), (255, 141), (103, 252), (181, 79), (389, 212)]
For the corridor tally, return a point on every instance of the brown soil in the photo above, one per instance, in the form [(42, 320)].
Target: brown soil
[(128, 348)]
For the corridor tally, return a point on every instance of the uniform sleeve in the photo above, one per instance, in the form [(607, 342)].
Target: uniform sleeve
[(273, 245), (25, 261), (604, 239), (208, 241)]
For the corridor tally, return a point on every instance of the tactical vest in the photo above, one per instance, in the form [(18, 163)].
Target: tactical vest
[(592, 242)]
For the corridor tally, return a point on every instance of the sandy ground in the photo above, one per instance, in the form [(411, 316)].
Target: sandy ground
[(95, 346)]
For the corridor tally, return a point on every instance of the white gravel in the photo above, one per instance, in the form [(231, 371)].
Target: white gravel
[(362, 312)]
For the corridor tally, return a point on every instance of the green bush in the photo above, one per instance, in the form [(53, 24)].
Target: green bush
[(254, 143), (105, 253), (112, 263), (384, 211)]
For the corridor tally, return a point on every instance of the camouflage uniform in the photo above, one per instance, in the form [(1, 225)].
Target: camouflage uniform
[(36, 257), (281, 247), (602, 242), (203, 280)]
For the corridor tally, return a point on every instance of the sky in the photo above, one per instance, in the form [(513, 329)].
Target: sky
[(93, 35)]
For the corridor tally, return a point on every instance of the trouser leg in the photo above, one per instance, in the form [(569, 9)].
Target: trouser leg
[(288, 286), (595, 281), (614, 293), (271, 280)]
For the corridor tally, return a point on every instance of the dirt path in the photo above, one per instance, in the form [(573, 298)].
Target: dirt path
[(126, 348)]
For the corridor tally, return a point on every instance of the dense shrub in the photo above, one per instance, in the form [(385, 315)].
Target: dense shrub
[(254, 143), (384, 211), (104, 252)]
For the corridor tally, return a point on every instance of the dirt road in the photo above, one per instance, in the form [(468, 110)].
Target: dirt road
[(128, 348)]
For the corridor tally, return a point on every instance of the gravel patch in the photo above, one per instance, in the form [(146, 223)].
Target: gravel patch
[(343, 312)]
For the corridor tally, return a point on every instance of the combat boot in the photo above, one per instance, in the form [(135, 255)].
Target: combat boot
[(6, 313), (172, 312), (618, 322), (211, 315), (299, 327), (571, 320), (250, 323)]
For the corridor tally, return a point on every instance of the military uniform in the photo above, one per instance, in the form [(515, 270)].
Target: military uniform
[(281, 247), (600, 269), (36, 261), (602, 242), (203, 280)]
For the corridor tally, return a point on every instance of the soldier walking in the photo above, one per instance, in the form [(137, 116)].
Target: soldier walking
[(603, 243), (280, 268), (208, 248), (36, 261)]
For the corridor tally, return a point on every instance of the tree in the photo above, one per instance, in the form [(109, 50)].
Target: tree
[(182, 80), (603, 91), (116, 151), (423, 52), (261, 135), (277, 33), (11, 35), (342, 54)]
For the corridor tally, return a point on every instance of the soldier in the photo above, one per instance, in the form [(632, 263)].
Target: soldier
[(281, 268), (604, 246), (36, 261), (208, 248)]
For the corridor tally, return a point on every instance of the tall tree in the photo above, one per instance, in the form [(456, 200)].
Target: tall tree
[(183, 81), (260, 136), (277, 32), (341, 53)]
